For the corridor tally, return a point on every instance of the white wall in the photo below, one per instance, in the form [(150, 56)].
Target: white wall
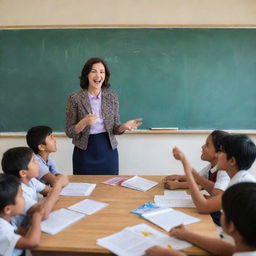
[(103, 12), (148, 154)]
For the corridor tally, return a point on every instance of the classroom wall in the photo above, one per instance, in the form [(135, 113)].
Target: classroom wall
[(142, 154), (103, 12), (139, 154)]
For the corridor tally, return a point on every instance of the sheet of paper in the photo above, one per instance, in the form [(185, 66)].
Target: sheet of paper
[(78, 189), (139, 183), (87, 206), (176, 194), (169, 218), (59, 220), (162, 201)]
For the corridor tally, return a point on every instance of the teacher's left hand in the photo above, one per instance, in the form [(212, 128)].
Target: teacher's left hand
[(132, 124)]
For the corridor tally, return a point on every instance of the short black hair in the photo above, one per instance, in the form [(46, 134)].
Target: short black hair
[(217, 136), (239, 206), (16, 159), (36, 136), (241, 147), (9, 186), (84, 82)]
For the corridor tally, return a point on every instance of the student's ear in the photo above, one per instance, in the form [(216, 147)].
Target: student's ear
[(41, 147), (232, 161), (23, 173), (7, 209)]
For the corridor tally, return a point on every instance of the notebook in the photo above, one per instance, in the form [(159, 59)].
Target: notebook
[(168, 218), (139, 183), (78, 189)]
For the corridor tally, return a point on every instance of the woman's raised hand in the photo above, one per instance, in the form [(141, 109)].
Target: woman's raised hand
[(90, 119), (132, 124)]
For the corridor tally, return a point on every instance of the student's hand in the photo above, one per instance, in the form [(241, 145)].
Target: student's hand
[(174, 184), (174, 177), (62, 180), (178, 154), (161, 251), (90, 119), (179, 232), (39, 214), (132, 124)]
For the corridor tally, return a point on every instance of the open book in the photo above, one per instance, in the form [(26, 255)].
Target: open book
[(168, 218), (63, 218), (78, 189), (136, 239), (139, 183)]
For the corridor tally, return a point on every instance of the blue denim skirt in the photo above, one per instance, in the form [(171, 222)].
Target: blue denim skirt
[(98, 159)]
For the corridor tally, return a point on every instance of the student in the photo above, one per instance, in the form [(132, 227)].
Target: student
[(41, 140), (11, 204), (21, 163), (211, 178), (238, 220), (237, 155), (205, 177)]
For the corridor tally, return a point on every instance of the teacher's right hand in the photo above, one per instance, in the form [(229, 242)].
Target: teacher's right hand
[(90, 119)]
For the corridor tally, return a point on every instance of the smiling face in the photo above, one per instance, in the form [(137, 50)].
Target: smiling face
[(208, 151), (96, 77)]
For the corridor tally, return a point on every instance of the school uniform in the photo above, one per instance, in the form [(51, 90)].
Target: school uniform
[(8, 239), (30, 194), (45, 167), (221, 181), (95, 150), (241, 176)]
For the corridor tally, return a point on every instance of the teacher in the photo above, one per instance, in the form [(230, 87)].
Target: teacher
[(92, 121)]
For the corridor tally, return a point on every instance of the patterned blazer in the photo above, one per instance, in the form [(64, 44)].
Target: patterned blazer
[(78, 106)]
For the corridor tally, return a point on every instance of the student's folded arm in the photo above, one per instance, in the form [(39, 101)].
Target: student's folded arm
[(49, 178)]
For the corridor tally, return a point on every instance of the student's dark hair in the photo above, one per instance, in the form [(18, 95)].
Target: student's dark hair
[(217, 136), (16, 159), (36, 136), (9, 186), (241, 147), (84, 82), (239, 206)]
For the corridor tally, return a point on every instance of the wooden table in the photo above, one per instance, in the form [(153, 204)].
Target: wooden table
[(80, 238)]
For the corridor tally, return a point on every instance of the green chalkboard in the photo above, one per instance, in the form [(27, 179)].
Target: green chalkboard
[(188, 78)]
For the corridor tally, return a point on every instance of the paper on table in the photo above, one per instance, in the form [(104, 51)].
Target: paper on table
[(87, 206), (139, 183), (59, 220), (78, 189), (114, 181), (163, 201), (176, 194), (136, 239), (167, 218)]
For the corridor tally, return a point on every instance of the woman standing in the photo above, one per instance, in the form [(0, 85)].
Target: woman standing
[(92, 121)]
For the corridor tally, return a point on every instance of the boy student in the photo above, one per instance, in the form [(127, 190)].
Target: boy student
[(238, 220), (21, 163), (11, 204), (41, 140), (211, 178)]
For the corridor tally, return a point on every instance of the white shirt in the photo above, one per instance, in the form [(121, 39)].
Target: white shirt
[(222, 179), (30, 194), (8, 239), (245, 253), (241, 176)]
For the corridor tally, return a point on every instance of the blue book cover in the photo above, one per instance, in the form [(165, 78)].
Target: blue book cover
[(144, 208)]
